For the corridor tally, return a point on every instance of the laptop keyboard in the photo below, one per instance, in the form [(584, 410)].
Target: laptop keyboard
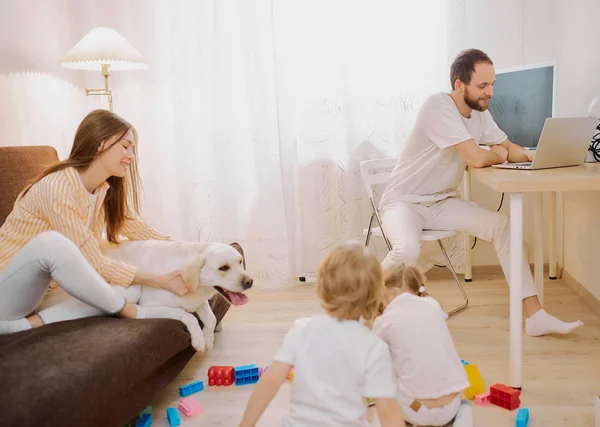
[(522, 164)]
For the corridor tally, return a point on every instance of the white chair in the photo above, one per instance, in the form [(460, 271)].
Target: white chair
[(376, 172)]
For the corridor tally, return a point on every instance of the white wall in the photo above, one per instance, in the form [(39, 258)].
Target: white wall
[(579, 82), (512, 33)]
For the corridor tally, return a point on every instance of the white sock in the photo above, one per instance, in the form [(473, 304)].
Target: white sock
[(542, 323), (464, 416), (10, 326)]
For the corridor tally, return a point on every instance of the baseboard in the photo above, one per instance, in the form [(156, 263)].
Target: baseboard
[(481, 270), (590, 300)]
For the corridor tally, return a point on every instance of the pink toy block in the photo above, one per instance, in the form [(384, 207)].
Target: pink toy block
[(190, 407), (483, 398), (260, 372)]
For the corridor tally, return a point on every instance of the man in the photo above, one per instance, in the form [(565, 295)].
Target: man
[(422, 190)]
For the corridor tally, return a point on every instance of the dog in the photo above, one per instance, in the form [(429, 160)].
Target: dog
[(207, 269)]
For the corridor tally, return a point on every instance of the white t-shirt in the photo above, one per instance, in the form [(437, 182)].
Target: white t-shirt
[(337, 364), (430, 168), (425, 360)]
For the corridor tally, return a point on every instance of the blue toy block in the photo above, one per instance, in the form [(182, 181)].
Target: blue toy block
[(246, 374), (173, 417), (144, 421), (522, 417), (464, 362), (192, 388)]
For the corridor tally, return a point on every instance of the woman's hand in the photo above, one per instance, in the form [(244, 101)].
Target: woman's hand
[(173, 282)]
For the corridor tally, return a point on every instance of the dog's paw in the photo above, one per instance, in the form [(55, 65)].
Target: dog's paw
[(199, 343), (209, 339)]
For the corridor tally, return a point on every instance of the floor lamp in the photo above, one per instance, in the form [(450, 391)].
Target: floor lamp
[(105, 50)]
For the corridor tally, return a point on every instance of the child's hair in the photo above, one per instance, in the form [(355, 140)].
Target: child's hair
[(350, 283), (404, 277)]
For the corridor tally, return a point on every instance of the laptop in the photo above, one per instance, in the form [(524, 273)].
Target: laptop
[(563, 142)]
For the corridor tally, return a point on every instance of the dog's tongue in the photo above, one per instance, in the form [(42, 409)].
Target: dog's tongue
[(237, 298)]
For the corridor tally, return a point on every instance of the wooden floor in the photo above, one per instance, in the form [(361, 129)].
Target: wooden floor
[(561, 375)]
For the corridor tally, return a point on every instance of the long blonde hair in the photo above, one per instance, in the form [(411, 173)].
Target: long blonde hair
[(122, 198), (349, 282)]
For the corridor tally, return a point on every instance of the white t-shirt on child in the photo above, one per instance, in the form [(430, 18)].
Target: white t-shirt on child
[(336, 365), (425, 360), (430, 168)]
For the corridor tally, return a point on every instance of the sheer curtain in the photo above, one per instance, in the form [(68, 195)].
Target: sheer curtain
[(254, 114)]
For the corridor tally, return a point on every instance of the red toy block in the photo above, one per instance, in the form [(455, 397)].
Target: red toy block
[(505, 397), (221, 375)]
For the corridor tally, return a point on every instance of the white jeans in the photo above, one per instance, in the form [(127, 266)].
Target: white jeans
[(429, 416), (403, 223), (50, 255)]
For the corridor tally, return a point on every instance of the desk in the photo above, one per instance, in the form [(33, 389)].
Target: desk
[(515, 183)]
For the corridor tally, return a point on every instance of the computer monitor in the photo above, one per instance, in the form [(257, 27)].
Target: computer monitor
[(523, 99)]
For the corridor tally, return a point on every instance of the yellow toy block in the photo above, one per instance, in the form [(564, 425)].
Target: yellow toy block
[(290, 375), (475, 380)]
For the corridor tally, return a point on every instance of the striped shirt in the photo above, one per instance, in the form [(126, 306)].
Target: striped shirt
[(60, 202)]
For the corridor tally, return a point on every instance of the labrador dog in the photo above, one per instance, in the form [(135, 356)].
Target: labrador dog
[(207, 269)]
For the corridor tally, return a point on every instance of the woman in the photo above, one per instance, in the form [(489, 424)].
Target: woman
[(55, 228)]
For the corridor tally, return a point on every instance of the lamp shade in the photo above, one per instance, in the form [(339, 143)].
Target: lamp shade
[(103, 46), (594, 110)]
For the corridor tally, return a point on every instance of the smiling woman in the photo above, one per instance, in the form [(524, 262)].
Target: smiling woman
[(54, 231)]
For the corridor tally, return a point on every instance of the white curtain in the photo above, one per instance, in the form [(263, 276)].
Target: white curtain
[(254, 114)]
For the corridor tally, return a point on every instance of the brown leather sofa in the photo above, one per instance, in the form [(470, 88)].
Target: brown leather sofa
[(98, 371)]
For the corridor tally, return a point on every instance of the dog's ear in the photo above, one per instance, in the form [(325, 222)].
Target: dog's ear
[(191, 272)]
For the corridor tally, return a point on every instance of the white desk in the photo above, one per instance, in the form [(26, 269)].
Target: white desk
[(515, 183)]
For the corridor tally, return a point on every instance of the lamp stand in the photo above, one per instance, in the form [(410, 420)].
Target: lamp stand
[(104, 91)]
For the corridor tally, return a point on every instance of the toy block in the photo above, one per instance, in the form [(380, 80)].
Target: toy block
[(464, 362), (221, 375), (597, 411), (260, 372), (190, 407), (483, 398), (522, 417), (246, 374), (173, 417), (505, 397), (290, 375), (144, 421), (477, 386), (191, 388)]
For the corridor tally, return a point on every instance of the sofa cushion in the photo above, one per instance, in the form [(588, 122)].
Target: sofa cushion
[(18, 166), (97, 371)]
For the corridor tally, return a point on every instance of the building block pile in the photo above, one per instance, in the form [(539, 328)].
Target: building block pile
[(173, 417), (505, 397), (477, 386), (522, 417), (192, 388), (220, 376), (190, 407), (246, 374)]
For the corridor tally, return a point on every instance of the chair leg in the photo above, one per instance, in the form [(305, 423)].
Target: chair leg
[(457, 280), (369, 230)]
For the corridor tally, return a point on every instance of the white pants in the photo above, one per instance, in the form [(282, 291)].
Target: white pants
[(50, 255), (429, 416), (403, 223)]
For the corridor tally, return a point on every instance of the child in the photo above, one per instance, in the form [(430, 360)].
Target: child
[(337, 361), (429, 372)]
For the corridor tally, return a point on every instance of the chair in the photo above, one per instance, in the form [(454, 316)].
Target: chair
[(376, 172)]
